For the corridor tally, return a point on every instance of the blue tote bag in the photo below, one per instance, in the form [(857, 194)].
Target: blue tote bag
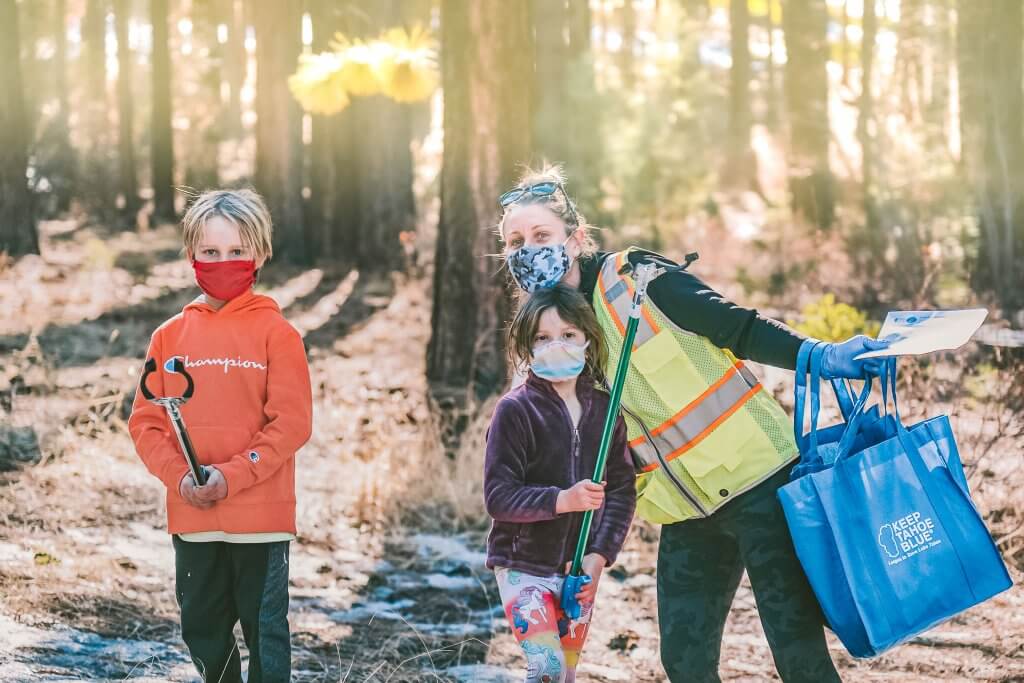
[(888, 535), (819, 447)]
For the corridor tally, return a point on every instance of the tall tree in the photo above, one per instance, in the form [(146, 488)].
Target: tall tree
[(65, 155), (234, 64), (99, 187), (206, 123), (866, 104), (125, 113), (279, 123), (584, 112), (161, 133), (319, 219), (740, 168), (487, 132), (383, 134), (18, 234), (868, 246), (772, 91), (806, 96), (627, 57), (551, 80), (991, 101)]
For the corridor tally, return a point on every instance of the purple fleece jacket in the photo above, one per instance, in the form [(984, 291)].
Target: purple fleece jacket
[(533, 452)]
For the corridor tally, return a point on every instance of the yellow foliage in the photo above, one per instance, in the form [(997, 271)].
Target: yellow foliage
[(828, 320), (400, 64), (360, 65), (408, 70), (317, 84)]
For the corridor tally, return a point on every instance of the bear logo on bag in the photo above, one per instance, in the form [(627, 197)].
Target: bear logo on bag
[(887, 539)]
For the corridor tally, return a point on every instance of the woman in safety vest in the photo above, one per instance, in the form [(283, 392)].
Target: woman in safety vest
[(711, 447)]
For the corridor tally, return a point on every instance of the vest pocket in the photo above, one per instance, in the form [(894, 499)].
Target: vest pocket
[(658, 501), (731, 458), (668, 370)]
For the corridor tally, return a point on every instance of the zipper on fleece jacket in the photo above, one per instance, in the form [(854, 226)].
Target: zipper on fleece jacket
[(576, 462)]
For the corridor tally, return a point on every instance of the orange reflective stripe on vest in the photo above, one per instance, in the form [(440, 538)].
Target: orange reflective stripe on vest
[(700, 417), (618, 295)]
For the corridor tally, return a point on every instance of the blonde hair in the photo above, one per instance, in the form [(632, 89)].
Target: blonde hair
[(558, 203), (245, 208)]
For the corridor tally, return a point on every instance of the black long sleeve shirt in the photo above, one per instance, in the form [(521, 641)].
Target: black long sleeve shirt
[(694, 306)]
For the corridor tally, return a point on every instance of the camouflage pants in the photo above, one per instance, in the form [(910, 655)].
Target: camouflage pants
[(700, 564)]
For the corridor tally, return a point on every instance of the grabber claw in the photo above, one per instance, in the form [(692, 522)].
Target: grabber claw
[(572, 586)]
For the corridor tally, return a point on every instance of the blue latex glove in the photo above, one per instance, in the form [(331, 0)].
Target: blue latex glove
[(838, 361), (570, 588)]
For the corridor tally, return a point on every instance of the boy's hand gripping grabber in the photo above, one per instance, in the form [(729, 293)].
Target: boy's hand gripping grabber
[(643, 274), (172, 404)]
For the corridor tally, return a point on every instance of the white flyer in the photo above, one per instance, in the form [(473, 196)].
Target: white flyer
[(917, 332)]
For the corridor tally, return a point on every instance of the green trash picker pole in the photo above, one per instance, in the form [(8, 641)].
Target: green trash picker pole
[(643, 274)]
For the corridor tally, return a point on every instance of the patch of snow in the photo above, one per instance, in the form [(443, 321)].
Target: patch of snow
[(62, 649), (483, 673), (451, 583), (451, 548), (466, 630), (362, 613)]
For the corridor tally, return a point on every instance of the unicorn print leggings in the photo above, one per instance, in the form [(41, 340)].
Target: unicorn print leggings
[(552, 642)]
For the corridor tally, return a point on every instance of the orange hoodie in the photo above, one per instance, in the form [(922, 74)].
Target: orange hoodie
[(251, 410)]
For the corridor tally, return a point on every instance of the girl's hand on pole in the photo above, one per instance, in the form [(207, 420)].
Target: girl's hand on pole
[(215, 488), (584, 495), (593, 566), (188, 491)]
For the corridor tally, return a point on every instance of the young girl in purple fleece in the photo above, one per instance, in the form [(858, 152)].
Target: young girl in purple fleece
[(541, 448)]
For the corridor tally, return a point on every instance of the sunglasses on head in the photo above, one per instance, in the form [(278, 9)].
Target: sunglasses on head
[(545, 189)]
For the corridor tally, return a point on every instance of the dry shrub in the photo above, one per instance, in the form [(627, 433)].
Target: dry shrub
[(440, 492)]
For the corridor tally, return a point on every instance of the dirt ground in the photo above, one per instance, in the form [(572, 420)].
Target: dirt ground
[(387, 582)]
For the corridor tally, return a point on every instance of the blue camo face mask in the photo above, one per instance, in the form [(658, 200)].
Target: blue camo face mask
[(538, 267), (558, 361)]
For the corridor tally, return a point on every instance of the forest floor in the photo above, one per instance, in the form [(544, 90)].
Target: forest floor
[(387, 584)]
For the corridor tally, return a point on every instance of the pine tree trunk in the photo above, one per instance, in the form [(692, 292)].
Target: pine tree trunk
[(806, 94), (383, 133), (129, 189), (584, 115), (550, 81), (627, 60), (866, 103), (63, 187), (740, 165), (484, 49), (322, 176), (772, 117), (235, 59), (99, 185), (279, 123), (989, 56), (18, 234), (205, 130), (161, 133)]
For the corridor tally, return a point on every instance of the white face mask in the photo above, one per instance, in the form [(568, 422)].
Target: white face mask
[(558, 361)]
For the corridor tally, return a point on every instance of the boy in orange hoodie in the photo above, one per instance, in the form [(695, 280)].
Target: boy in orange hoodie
[(251, 411)]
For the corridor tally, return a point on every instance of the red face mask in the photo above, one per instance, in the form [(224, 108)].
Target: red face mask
[(224, 280)]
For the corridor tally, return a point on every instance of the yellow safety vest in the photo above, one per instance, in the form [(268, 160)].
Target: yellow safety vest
[(701, 427)]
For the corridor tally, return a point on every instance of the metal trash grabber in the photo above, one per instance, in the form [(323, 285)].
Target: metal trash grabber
[(172, 404), (643, 275)]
